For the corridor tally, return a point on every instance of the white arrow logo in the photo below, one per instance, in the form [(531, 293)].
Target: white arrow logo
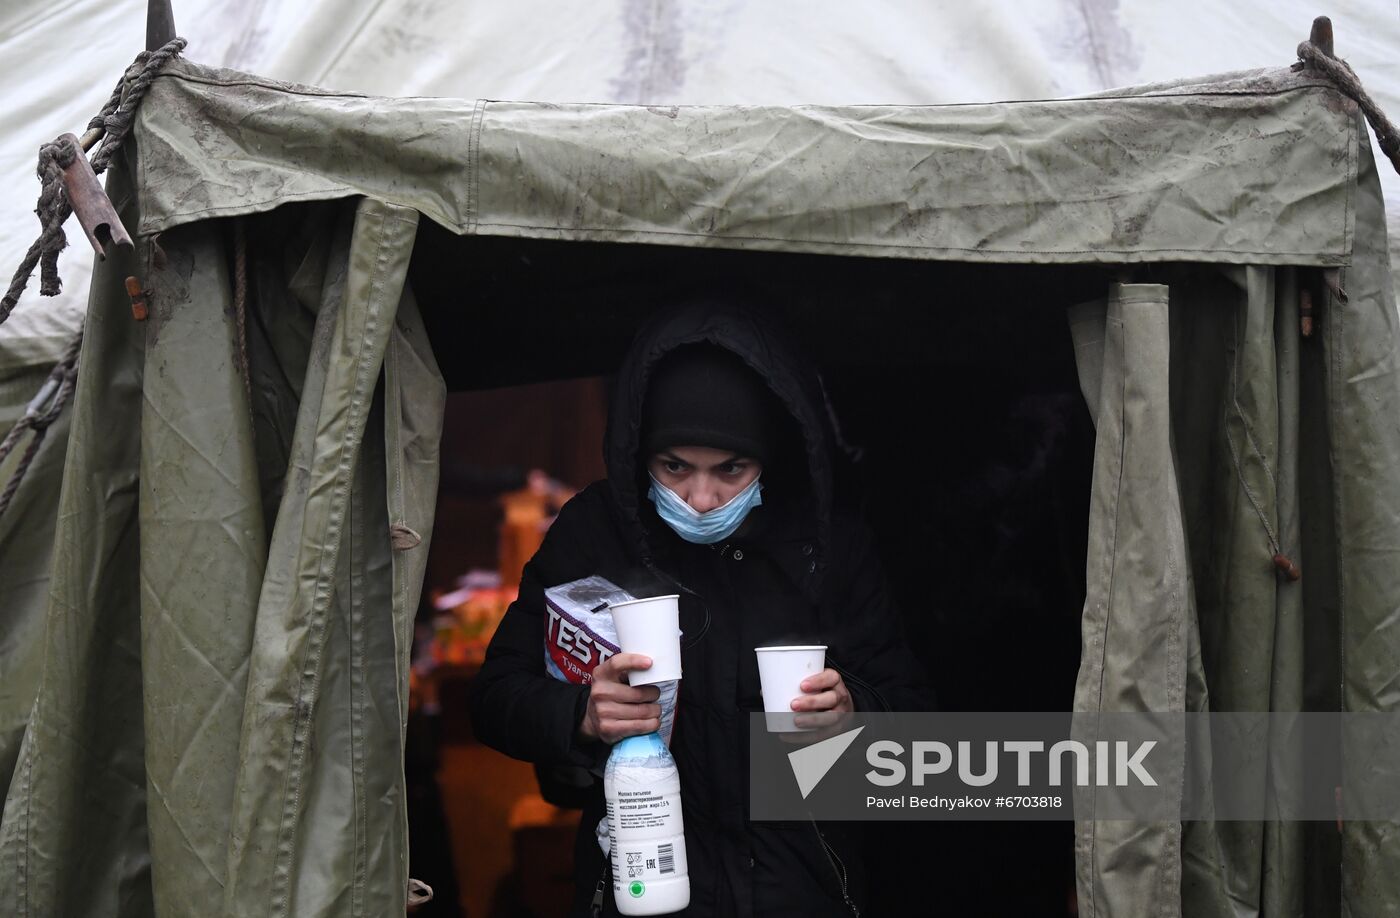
[(811, 764)]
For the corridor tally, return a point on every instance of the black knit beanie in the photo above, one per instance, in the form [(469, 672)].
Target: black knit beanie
[(702, 395)]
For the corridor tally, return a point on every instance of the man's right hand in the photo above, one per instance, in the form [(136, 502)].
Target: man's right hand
[(617, 710)]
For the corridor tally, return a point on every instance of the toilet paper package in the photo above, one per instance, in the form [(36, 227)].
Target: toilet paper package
[(579, 635)]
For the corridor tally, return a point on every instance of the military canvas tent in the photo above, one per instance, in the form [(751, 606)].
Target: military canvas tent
[(215, 684)]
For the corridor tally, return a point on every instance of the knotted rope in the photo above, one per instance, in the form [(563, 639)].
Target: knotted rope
[(1345, 79), (53, 209), (240, 304), (117, 115), (112, 124), (41, 413)]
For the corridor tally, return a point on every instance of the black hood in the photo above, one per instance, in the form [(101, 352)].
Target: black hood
[(766, 349)]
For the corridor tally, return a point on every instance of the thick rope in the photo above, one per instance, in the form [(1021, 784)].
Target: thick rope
[(54, 208), (240, 304), (12, 486), (1345, 79), (98, 122), (42, 412), (117, 123)]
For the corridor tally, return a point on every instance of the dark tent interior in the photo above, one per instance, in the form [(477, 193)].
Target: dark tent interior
[(968, 444)]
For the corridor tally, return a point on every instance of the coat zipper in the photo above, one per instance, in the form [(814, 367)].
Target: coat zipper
[(595, 907), (705, 625), (838, 867)]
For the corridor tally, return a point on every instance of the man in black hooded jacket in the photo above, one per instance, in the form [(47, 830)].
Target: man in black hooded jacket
[(798, 570)]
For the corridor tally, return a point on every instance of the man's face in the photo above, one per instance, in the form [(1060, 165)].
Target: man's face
[(704, 478)]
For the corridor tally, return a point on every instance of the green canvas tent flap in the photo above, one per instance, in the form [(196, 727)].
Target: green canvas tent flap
[(1221, 173), (222, 689), (34, 341), (219, 685)]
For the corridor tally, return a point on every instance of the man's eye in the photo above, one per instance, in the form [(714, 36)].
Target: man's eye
[(733, 468), (674, 468)]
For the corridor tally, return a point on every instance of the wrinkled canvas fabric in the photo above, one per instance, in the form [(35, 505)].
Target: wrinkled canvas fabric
[(210, 702), (32, 342), (1225, 438), (1170, 174), (222, 695)]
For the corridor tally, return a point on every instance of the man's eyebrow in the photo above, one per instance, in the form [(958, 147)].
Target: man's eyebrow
[(672, 457)]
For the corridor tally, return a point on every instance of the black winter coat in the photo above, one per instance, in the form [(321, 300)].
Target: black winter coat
[(798, 571)]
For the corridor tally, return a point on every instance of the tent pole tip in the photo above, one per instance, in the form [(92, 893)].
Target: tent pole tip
[(1321, 36), (160, 24)]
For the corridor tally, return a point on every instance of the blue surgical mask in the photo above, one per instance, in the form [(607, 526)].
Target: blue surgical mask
[(712, 525)]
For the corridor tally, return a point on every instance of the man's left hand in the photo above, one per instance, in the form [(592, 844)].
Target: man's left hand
[(826, 691)]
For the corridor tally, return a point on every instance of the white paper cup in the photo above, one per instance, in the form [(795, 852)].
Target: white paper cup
[(651, 627), (780, 674)]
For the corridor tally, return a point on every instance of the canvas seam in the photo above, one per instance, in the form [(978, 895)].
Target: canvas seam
[(1353, 168), (357, 687), (1176, 661), (1300, 85), (1335, 317), (403, 636), (471, 226), (1235, 358), (310, 675), (474, 165), (1336, 314), (1112, 576), (1328, 259), (895, 245), (334, 191), (23, 861)]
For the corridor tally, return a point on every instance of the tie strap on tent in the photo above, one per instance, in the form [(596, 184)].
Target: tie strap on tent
[(419, 894)]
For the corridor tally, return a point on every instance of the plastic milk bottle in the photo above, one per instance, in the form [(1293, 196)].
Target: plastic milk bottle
[(645, 828)]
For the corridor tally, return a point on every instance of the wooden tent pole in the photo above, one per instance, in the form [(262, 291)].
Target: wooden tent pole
[(1322, 35), (160, 24)]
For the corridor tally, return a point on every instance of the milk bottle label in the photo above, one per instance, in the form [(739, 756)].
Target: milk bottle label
[(647, 844)]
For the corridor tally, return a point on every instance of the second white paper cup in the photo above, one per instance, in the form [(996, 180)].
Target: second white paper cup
[(780, 674), (651, 627)]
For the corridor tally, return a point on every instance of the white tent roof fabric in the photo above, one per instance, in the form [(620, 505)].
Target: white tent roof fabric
[(58, 62)]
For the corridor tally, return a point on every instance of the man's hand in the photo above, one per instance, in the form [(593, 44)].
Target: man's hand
[(617, 710), (824, 703), (824, 692)]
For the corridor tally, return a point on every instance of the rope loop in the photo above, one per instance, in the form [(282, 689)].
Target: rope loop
[(1341, 75), (53, 207), (117, 123), (53, 210), (45, 408)]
